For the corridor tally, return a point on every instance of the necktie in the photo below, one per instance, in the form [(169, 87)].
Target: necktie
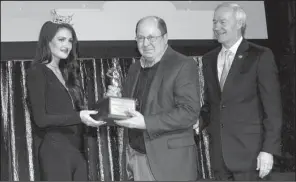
[(226, 68)]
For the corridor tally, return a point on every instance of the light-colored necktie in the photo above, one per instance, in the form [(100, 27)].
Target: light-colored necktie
[(226, 67)]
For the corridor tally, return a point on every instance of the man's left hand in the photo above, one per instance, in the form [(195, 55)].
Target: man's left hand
[(136, 120), (196, 127), (264, 163)]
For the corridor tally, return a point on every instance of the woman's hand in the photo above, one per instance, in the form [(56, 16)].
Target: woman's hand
[(88, 120)]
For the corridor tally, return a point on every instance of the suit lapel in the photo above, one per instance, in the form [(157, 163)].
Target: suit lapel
[(214, 72), (157, 79), (237, 63)]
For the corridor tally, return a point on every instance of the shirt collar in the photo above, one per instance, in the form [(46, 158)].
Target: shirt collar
[(233, 48), (157, 59)]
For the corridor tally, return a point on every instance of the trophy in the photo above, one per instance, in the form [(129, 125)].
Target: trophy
[(115, 79), (114, 107)]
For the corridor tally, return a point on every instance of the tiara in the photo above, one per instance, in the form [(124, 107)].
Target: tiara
[(56, 18)]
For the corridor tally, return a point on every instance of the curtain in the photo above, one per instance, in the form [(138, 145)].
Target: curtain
[(282, 42), (291, 6), (105, 146)]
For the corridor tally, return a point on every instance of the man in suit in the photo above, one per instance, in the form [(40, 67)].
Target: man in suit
[(165, 84), (242, 101)]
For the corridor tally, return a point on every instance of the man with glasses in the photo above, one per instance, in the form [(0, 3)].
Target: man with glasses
[(165, 84)]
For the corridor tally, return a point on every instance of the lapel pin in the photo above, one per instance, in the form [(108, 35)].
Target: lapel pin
[(240, 56)]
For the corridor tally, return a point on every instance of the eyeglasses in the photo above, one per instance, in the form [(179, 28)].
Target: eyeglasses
[(151, 39)]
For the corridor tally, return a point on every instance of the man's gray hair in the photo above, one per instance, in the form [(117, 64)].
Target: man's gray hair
[(239, 14)]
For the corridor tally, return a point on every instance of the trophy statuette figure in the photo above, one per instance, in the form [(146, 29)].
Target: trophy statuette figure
[(114, 107), (115, 79)]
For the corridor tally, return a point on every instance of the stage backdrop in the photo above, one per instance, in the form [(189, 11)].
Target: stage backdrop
[(93, 20), (105, 146)]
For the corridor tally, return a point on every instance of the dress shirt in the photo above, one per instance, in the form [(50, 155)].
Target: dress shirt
[(220, 62)]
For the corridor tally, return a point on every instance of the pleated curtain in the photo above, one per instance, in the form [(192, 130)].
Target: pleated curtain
[(105, 146)]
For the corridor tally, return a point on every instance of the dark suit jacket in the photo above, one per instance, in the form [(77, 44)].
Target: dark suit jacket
[(172, 109), (246, 117)]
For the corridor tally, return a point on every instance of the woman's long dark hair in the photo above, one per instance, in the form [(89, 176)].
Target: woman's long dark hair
[(69, 67)]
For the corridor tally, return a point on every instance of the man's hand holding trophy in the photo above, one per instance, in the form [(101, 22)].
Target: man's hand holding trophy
[(113, 108), (134, 118)]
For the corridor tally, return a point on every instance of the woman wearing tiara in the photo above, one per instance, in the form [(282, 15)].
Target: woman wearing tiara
[(58, 105)]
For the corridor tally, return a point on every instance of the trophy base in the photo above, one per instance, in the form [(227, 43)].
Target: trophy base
[(113, 108)]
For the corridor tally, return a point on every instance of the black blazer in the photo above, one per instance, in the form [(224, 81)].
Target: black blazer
[(51, 105), (246, 117)]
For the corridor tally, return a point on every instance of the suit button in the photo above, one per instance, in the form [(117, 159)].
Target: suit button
[(222, 125)]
